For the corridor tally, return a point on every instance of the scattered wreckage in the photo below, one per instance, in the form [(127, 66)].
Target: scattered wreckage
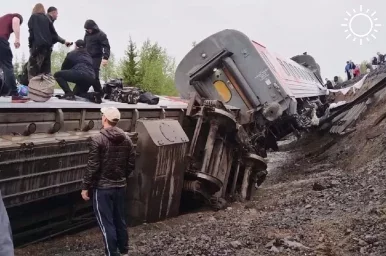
[(238, 100)]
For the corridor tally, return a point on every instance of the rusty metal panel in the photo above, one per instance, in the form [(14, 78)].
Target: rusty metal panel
[(42, 165), (17, 120), (37, 167), (156, 184)]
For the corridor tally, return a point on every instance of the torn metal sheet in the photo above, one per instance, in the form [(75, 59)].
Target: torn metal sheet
[(349, 118)]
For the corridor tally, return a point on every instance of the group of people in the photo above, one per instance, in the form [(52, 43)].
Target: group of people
[(380, 60), (81, 66), (112, 155), (352, 70)]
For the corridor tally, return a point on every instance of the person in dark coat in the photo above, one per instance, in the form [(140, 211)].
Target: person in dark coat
[(6, 243), (348, 70), (78, 68), (9, 23), (97, 44), (111, 160), (329, 84), (52, 14), (41, 38)]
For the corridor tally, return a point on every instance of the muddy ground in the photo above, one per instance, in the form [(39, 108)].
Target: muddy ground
[(324, 196)]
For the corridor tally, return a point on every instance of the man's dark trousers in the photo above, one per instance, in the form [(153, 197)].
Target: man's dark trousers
[(82, 81), (6, 57), (109, 209), (97, 66)]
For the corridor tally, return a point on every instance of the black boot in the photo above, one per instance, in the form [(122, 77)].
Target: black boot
[(95, 97)]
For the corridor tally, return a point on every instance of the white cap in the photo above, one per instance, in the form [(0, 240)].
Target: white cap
[(111, 113)]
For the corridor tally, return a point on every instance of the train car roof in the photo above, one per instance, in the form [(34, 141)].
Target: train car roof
[(166, 102), (56, 103)]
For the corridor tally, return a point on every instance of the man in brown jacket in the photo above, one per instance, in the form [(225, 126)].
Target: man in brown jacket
[(110, 162)]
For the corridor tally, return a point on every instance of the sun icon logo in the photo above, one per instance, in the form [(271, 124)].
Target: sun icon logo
[(370, 30)]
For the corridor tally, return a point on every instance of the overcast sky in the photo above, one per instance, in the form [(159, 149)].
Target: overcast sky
[(286, 27)]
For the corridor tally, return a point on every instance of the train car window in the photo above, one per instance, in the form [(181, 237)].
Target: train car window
[(267, 61), (294, 71), (314, 77), (284, 67), (290, 69), (304, 74), (311, 76), (300, 73), (223, 90)]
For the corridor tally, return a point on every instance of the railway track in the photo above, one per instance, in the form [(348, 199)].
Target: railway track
[(30, 237)]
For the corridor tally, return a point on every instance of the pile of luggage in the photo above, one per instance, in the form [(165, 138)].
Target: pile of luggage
[(115, 91)]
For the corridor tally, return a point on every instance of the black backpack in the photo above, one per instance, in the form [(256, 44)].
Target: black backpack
[(110, 86)]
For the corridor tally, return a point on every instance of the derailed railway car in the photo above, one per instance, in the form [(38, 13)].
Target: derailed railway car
[(43, 156), (274, 94), (207, 149)]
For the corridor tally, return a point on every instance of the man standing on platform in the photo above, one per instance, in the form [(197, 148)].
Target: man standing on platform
[(98, 46), (9, 23)]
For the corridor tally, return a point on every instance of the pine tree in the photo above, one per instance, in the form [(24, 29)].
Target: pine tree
[(129, 65), (150, 68)]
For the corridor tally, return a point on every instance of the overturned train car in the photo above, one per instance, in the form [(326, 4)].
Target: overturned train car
[(207, 149), (43, 156), (275, 95)]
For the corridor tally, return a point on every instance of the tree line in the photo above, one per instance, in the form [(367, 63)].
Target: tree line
[(149, 68)]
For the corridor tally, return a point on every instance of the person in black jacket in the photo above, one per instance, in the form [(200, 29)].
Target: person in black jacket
[(78, 68), (98, 46), (41, 37), (110, 162), (329, 84), (381, 58), (52, 14)]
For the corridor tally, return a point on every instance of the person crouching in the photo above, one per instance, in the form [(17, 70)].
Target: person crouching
[(78, 68)]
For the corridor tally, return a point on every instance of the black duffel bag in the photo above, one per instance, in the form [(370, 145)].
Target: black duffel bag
[(128, 95), (148, 98)]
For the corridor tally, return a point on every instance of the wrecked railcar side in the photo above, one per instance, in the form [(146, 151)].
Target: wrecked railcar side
[(43, 155)]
